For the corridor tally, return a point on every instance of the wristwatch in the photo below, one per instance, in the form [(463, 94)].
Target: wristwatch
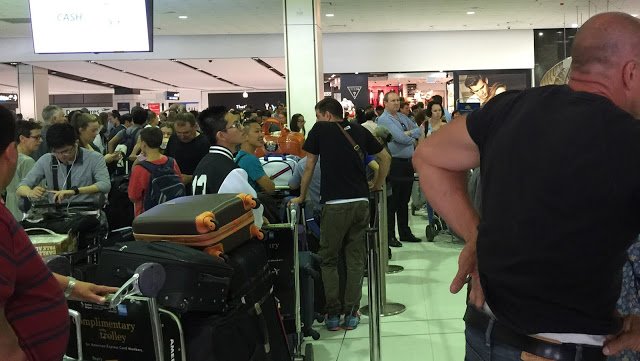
[(70, 286), (75, 190)]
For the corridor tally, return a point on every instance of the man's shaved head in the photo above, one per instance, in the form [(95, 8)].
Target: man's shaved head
[(605, 40), (606, 60)]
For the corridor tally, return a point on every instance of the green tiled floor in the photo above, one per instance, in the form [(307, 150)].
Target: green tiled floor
[(431, 329)]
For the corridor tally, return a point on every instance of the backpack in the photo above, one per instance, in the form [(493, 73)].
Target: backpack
[(130, 140), (164, 183)]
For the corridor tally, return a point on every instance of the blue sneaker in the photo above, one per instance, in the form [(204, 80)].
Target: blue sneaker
[(351, 321), (332, 322)]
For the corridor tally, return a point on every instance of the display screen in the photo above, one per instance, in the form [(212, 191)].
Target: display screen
[(91, 26), (173, 95)]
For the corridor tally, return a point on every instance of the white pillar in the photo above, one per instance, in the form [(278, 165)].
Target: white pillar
[(33, 91), (303, 56)]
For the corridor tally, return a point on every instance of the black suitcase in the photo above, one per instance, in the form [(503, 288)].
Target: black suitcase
[(195, 280), (252, 329)]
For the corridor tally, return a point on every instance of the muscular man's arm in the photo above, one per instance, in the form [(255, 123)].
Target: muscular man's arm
[(442, 161)]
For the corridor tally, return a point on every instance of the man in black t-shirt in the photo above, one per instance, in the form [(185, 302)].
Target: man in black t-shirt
[(344, 192), (549, 265), (217, 172), (187, 147)]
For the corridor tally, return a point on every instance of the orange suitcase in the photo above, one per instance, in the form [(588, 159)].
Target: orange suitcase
[(283, 141), (217, 222)]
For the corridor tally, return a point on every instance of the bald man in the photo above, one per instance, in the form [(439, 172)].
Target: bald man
[(561, 204)]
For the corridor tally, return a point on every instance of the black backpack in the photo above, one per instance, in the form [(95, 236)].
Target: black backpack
[(164, 183), (130, 140)]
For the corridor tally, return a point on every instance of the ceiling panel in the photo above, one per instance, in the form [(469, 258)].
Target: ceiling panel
[(58, 85), (100, 73), (265, 16), (277, 63), (245, 72), (173, 73)]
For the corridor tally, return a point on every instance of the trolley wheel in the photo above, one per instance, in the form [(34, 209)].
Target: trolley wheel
[(431, 231), (308, 352), (313, 333)]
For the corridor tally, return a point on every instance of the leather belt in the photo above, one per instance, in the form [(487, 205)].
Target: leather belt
[(505, 335)]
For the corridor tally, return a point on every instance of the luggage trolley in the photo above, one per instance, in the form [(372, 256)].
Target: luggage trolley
[(120, 329), (301, 329), (76, 230)]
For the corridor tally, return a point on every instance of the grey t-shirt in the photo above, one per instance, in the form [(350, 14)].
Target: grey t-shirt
[(88, 169), (314, 188), (25, 163)]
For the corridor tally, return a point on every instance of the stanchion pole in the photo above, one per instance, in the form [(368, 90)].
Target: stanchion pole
[(385, 308), (373, 248)]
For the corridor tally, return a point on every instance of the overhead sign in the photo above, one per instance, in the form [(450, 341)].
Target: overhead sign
[(173, 96), (354, 90), (8, 97)]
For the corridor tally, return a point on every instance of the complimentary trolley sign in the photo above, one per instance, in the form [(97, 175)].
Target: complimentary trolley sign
[(128, 332)]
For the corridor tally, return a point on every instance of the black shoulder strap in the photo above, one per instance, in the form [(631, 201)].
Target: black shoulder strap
[(54, 172)]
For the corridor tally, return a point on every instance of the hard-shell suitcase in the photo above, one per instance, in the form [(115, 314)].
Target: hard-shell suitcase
[(217, 222), (195, 280)]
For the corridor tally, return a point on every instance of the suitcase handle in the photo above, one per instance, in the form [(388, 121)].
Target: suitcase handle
[(42, 230)]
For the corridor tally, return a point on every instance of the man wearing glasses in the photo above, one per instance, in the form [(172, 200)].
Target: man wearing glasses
[(479, 86), (28, 138), (71, 173), (217, 172)]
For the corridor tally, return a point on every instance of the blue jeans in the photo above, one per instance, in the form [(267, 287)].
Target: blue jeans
[(482, 347)]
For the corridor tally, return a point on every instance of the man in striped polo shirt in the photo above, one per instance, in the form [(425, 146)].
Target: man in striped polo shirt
[(34, 323)]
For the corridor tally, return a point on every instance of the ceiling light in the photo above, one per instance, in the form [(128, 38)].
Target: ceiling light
[(574, 26), (92, 61), (245, 94), (54, 72), (634, 15), (540, 33), (357, 73), (183, 17), (471, 12), (13, 63), (84, 79), (330, 15)]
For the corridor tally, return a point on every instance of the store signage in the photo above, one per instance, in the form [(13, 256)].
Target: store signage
[(354, 90), (173, 95), (154, 107), (92, 110), (8, 97)]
